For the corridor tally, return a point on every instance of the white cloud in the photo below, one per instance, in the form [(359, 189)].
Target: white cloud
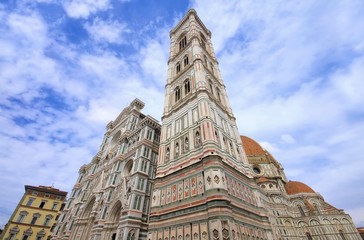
[(84, 8), (287, 138), (109, 31), (298, 69), (154, 60)]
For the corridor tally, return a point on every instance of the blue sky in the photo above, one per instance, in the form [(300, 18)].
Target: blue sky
[(294, 73)]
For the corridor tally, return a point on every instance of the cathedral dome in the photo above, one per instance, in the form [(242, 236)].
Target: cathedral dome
[(294, 187), (251, 147)]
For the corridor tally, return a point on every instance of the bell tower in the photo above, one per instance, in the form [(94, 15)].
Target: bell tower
[(203, 187)]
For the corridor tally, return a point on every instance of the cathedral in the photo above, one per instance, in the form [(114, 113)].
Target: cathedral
[(194, 176)]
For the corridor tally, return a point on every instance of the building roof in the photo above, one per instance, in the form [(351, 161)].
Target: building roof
[(46, 189), (251, 147), (294, 187)]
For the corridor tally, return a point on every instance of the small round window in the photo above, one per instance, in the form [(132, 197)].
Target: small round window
[(256, 170)]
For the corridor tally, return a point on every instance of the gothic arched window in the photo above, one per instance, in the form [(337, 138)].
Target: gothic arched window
[(308, 235), (211, 88), (177, 94), (187, 85), (185, 61), (225, 144), (183, 43), (176, 150), (203, 41), (301, 210), (168, 152), (342, 235), (218, 94), (131, 235), (231, 149), (186, 147), (178, 67), (217, 137), (197, 138)]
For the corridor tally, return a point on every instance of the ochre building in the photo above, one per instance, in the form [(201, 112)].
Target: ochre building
[(193, 177), (35, 214)]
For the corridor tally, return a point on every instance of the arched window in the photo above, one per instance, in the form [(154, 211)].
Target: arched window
[(218, 94), (203, 40), (308, 235), (217, 137), (187, 86), (131, 235), (225, 144), (183, 43), (178, 67), (301, 210), (187, 144), (197, 138), (231, 149), (177, 94), (211, 88), (185, 61), (168, 152), (176, 150), (342, 235)]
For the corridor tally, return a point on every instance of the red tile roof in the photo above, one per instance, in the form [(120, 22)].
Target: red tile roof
[(293, 187)]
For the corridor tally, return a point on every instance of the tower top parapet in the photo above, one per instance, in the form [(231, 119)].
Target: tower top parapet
[(184, 20)]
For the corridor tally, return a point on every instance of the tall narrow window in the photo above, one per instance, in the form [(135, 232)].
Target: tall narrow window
[(177, 94), (41, 205), (137, 202), (22, 216), (231, 149), (218, 94), (54, 206), (187, 86), (203, 40), (47, 220), (342, 235), (197, 138), (34, 220), (211, 88), (30, 201), (301, 210), (178, 67), (186, 144), (217, 137), (176, 150), (185, 61), (203, 45), (183, 43), (225, 144), (168, 152)]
